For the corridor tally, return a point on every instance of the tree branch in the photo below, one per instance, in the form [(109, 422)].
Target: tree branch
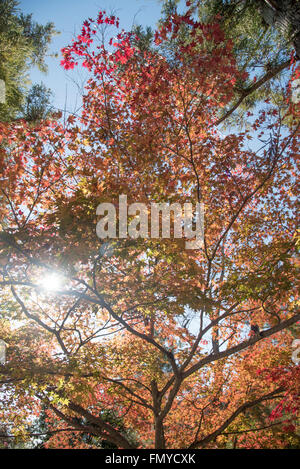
[(255, 85), (239, 410)]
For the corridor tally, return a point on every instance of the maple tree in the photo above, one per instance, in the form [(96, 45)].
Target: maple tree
[(145, 344)]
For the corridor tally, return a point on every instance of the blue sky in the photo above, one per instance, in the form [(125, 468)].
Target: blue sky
[(68, 16)]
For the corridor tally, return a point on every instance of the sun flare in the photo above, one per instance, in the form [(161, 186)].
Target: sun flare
[(52, 282)]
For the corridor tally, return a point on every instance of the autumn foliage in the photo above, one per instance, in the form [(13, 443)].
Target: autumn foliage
[(147, 344)]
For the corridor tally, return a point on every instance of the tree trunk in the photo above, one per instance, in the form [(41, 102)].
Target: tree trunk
[(159, 434)]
